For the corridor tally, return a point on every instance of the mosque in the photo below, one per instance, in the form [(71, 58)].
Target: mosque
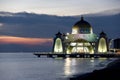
[(81, 40)]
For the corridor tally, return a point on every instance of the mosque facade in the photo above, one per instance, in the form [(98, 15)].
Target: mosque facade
[(81, 40)]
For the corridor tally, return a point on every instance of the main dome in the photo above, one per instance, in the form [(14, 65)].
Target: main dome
[(82, 27)]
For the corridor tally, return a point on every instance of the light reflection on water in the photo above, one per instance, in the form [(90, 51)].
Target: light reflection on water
[(23, 66), (74, 66), (67, 68)]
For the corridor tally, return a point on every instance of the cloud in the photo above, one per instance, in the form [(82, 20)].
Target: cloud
[(34, 25), (46, 26), (25, 41), (58, 7), (33, 32)]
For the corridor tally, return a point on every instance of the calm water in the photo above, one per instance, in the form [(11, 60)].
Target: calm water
[(26, 66)]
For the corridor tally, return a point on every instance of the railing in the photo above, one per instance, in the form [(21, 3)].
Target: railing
[(77, 55)]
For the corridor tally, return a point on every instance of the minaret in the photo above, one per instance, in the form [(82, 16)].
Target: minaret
[(58, 43), (82, 18), (102, 44)]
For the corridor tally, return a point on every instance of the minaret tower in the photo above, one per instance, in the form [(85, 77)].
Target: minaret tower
[(58, 43), (102, 46)]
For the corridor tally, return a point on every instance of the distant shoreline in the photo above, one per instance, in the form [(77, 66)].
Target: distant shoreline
[(112, 71)]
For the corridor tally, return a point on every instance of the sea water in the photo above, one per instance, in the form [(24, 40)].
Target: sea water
[(26, 66)]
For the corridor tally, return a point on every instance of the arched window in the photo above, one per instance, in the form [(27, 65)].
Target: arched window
[(102, 45), (58, 45)]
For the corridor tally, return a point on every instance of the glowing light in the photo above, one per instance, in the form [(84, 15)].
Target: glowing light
[(91, 31), (72, 44), (58, 45), (102, 46), (88, 37), (66, 37), (68, 51), (80, 49), (75, 30), (67, 66), (80, 44), (67, 33)]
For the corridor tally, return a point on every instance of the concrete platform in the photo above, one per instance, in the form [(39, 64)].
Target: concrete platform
[(77, 55)]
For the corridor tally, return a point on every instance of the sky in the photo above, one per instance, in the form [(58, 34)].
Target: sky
[(30, 30), (59, 7), (23, 40)]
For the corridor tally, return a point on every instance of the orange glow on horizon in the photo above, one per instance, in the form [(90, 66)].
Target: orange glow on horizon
[(25, 41)]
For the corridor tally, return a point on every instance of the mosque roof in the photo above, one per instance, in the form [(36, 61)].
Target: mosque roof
[(82, 23)]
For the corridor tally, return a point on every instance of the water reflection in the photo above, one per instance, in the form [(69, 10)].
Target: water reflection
[(82, 65), (69, 66), (92, 60), (27, 67)]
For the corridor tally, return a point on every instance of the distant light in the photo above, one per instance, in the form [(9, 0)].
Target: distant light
[(67, 33), (66, 37), (73, 44)]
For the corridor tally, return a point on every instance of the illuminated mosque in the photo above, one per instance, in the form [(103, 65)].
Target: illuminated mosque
[(81, 40)]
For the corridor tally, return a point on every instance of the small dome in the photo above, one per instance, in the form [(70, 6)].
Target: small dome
[(102, 33), (59, 33), (82, 26)]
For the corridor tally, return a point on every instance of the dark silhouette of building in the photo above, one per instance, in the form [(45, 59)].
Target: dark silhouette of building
[(117, 43)]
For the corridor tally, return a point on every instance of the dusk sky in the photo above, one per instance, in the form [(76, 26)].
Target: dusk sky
[(37, 31), (59, 7), (23, 40)]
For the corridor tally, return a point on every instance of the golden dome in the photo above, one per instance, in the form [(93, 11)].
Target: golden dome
[(82, 27)]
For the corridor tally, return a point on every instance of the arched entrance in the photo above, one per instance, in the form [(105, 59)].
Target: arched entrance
[(80, 46)]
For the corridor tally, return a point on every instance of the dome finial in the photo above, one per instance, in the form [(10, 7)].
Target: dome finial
[(59, 33), (82, 18), (102, 33)]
